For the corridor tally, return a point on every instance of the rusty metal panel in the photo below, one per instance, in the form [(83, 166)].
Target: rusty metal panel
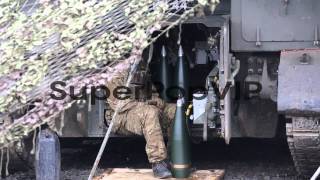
[(298, 86)]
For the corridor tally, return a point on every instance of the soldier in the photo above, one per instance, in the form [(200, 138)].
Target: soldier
[(143, 117)]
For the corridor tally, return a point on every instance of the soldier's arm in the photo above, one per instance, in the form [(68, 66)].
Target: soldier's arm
[(118, 80)]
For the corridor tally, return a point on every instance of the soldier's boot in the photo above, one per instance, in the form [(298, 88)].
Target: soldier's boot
[(161, 170)]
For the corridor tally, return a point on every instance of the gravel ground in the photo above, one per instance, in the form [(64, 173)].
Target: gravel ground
[(244, 159)]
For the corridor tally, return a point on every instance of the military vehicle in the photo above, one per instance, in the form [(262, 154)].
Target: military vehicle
[(254, 69)]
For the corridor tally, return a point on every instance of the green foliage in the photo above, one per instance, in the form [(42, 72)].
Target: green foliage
[(70, 20)]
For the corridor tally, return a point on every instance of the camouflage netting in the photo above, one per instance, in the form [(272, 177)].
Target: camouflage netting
[(82, 43)]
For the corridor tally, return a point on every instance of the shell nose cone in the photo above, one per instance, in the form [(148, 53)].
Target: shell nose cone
[(163, 52), (180, 102), (180, 51)]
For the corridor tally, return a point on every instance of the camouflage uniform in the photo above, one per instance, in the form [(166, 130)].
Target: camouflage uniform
[(142, 118)]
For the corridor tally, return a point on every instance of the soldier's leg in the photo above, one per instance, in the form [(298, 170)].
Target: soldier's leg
[(144, 120), (168, 117), (167, 122)]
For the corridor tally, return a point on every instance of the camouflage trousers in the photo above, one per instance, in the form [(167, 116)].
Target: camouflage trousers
[(150, 121)]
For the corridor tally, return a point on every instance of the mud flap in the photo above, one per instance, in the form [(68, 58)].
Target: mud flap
[(299, 86), (48, 157)]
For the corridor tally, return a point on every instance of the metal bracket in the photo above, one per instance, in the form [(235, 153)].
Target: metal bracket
[(235, 65), (258, 42), (286, 3), (316, 36), (224, 76), (305, 59)]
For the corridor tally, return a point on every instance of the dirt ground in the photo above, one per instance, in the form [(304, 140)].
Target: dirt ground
[(244, 159)]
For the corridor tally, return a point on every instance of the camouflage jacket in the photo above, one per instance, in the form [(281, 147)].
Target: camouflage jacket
[(167, 110), (119, 81)]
